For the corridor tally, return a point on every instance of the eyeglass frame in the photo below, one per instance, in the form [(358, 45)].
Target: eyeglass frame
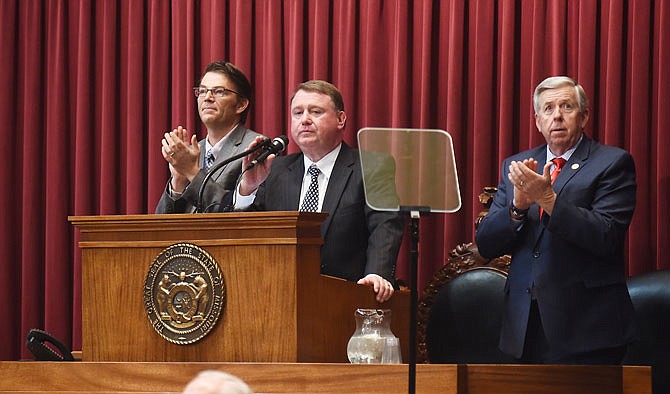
[(197, 91)]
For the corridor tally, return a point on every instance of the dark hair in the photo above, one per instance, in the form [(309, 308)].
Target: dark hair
[(323, 87), (237, 77)]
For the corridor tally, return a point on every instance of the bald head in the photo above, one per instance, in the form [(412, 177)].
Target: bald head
[(216, 382)]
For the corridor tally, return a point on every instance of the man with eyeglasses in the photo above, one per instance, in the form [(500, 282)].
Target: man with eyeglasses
[(562, 211), (223, 97)]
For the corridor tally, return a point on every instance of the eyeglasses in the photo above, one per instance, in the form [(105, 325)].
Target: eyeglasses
[(565, 108), (217, 91)]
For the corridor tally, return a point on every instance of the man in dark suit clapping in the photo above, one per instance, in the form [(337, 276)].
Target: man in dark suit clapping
[(562, 211)]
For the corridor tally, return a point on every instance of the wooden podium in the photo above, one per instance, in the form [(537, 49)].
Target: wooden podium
[(279, 308)]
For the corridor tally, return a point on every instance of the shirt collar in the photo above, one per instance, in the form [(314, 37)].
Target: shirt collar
[(326, 163), (219, 145), (567, 154)]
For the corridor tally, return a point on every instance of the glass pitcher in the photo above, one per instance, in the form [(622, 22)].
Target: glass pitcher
[(369, 342)]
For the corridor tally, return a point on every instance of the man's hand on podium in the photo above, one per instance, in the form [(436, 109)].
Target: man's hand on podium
[(381, 287)]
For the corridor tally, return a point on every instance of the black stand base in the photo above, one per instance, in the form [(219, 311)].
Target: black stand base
[(414, 255)]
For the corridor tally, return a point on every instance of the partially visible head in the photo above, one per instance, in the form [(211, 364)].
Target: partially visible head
[(317, 118), (561, 112), (323, 87), (226, 75), (216, 382)]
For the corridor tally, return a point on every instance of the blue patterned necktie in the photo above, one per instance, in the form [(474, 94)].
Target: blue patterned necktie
[(311, 201), (209, 160)]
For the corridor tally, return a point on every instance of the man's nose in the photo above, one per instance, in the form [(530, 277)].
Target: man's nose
[(558, 113), (305, 118), (209, 95)]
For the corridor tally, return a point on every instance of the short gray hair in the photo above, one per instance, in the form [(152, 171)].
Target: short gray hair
[(557, 82)]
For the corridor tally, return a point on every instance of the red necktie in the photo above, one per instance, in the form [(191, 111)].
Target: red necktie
[(559, 162)]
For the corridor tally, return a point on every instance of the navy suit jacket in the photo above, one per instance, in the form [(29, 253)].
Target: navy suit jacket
[(219, 184), (571, 260), (357, 240)]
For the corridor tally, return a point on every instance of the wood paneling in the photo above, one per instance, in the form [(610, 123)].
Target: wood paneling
[(78, 377)]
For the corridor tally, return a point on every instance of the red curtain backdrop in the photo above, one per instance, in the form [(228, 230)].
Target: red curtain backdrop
[(89, 87)]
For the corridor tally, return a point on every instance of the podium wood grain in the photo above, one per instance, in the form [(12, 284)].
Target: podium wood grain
[(278, 306), (109, 377)]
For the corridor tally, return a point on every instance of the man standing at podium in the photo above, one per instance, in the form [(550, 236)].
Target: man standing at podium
[(223, 103), (360, 244), (562, 211)]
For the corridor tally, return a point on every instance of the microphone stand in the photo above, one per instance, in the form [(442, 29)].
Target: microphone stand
[(199, 208)]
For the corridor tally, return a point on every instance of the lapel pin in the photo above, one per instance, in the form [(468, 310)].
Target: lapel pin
[(575, 166)]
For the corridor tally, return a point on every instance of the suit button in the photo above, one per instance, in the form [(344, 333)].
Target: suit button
[(528, 290), (536, 254)]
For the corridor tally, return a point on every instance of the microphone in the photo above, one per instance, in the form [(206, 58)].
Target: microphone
[(264, 144), (276, 146)]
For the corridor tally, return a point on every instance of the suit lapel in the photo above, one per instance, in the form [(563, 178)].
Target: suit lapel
[(231, 146), (203, 152), (336, 185), (570, 169), (294, 183), (574, 165), (540, 155)]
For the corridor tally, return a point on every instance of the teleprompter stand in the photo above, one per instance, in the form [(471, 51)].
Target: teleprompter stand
[(411, 171)]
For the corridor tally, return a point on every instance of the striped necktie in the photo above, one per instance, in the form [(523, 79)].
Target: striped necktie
[(209, 160)]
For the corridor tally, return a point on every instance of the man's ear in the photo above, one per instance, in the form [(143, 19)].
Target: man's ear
[(242, 105), (341, 119), (585, 118)]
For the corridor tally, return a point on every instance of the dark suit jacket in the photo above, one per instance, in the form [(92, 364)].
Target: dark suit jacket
[(573, 259), (220, 184), (357, 240)]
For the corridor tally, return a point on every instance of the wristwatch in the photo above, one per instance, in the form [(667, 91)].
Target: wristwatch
[(517, 214)]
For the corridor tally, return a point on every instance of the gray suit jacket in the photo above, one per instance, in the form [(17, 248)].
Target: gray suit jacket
[(220, 184), (571, 260), (357, 240)]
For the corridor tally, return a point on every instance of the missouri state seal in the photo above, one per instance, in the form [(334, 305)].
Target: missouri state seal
[(184, 293)]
